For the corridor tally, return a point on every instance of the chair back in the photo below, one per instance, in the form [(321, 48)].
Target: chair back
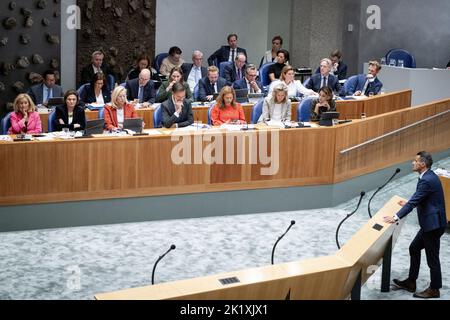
[(6, 123), (82, 90), (222, 68), (209, 114), (257, 111), (264, 74), (101, 113), (51, 120), (157, 117), (400, 54), (111, 82), (195, 93), (304, 110), (159, 59)]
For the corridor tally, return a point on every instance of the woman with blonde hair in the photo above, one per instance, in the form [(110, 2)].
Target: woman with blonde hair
[(295, 87), (226, 109), (24, 119), (277, 107), (119, 109)]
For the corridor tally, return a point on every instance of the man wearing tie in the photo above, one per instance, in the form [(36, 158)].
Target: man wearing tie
[(236, 70), (177, 110), (141, 90), (249, 82), (41, 93), (210, 85), (193, 72), (226, 53), (430, 203), (366, 84), (324, 78)]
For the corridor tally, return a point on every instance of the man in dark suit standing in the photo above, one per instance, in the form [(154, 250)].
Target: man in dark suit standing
[(210, 85), (41, 93), (226, 53), (249, 82), (235, 71), (429, 200), (324, 78), (193, 72), (96, 66), (177, 110), (141, 89)]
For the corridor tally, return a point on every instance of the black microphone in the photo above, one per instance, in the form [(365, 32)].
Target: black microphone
[(281, 237), (379, 188), (348, 216), (172, 247)]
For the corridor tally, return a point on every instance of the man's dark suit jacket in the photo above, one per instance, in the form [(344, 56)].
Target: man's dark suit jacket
[(242, 84), (223, 54), (314, 83), (132, 87), (430, 203), (169, 118), (87, 74), (229, 73), (79, 117), (35, 92), (206, 89), (88, 95), (341, 72), (357, 84), (187, 67)]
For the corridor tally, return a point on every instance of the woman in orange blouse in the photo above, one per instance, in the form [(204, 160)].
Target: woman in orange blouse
[(119, 109), (227, 110)]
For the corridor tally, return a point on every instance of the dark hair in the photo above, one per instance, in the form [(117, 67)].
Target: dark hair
[(180, 71), (328, 92), (143, 57), (178, 87), (278, 38), (175, 50), (69, 93), (96, 77), (336, 53), (285, 52), (426, 158), (48, 72), (232, 35)]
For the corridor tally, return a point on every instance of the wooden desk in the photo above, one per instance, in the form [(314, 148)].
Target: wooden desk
[(446, 186), (142, 166), (349, 109)]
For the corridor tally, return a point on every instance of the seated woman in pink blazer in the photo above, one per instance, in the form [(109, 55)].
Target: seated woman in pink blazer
[(24, 119)]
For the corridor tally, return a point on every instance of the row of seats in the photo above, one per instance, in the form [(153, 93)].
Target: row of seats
[(304, 115)]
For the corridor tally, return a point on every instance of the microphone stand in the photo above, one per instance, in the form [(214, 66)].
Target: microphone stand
[(172, 247), (281, 237), (348, 216), (379, 188)]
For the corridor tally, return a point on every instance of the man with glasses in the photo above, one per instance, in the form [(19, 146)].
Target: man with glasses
[(41, 93), (141, 90), (324, 78), (249, 82), (235, 71), (193, 72)]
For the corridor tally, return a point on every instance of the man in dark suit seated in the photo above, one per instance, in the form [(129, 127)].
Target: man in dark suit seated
[(193, 72), (141, 90), (177, 110), (96, 66), (324, 78), (236, 70), (249, 82), (226, 53), (430, 204), (40, 93), (339, 68), (366, 84), (210, 84)]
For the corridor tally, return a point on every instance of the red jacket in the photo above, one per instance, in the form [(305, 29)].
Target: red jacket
[(110, 115)]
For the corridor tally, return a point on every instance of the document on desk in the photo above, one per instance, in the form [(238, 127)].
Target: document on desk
[(356, 97), (152, 132), (5, 138), (46, 138), (237, 127)]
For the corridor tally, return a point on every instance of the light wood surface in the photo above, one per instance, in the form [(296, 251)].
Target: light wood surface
[(330, 277), (349, 109), (121, 167), (446, 186)]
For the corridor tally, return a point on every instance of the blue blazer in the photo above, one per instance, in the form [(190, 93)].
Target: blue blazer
[(314, 82), (430, 203), (206, 89), (132, 87), (88, 95), (341, 72), (222, 54), (242, 84), (35, 92), (229, 73), (358, 85)]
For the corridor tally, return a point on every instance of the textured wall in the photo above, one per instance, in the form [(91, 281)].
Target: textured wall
[(29, 44), (121, 29), (421, 27)]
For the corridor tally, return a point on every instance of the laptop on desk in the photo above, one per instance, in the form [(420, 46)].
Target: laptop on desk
[(56, 101), (241, 95), (94, 127), (134, 124)]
